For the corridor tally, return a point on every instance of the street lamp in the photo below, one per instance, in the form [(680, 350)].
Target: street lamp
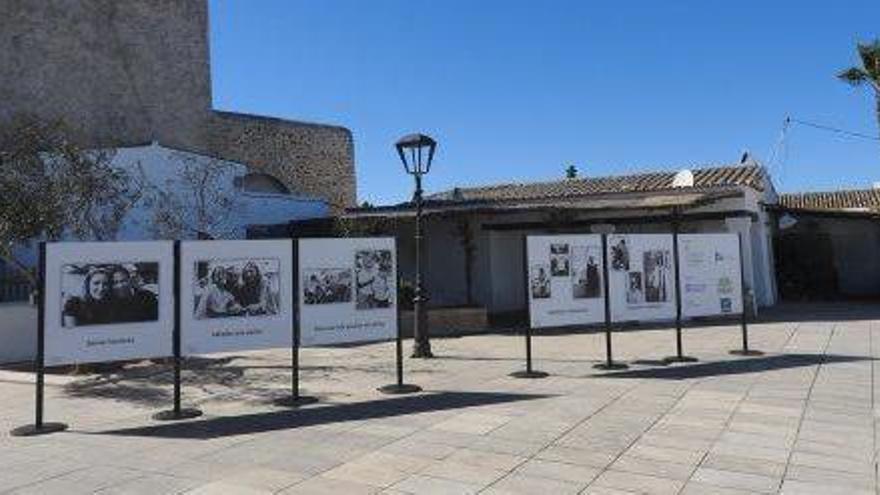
[(416, 152)]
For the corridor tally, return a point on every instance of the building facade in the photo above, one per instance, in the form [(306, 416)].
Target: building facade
[(474, 254)]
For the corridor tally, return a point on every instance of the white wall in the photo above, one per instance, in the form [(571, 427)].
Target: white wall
[(18, 332)]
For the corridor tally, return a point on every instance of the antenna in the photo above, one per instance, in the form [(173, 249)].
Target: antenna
[(684, 178)]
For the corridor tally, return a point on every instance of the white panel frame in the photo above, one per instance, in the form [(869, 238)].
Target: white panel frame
[(561, 308), (341, 323), (711, 275), (110, 342), (206, 336), (622, 307)]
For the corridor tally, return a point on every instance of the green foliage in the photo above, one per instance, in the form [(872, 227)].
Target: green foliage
[(364, 226), (51, 188), (571, 172), (868, 73)]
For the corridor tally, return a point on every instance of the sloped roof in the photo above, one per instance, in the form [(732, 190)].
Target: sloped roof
[(847, 200), (705, 178)]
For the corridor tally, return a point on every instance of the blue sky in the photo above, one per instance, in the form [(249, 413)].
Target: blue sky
[(516, 90)]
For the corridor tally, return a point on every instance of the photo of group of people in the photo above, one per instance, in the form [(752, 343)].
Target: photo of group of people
[(578, 264), (228, 288), (327, 285), (370, 285), (374, 273), (109, 294)]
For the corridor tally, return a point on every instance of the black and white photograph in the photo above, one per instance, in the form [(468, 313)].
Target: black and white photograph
[(656, 267), (327, 286), (374, 277), (560, 260), (227, 288), (635, 293), (109, 294), (620, 256), (540, 282), (586, 280)]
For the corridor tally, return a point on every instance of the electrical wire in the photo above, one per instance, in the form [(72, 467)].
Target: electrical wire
[(834, 129)]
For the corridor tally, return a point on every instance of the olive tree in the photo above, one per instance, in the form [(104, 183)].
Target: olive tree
[(51, 188)]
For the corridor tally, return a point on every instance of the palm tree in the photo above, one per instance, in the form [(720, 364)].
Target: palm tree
[(868, 73)]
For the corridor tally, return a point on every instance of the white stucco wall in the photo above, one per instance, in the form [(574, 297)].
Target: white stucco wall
[(18, 332), (498, 261)]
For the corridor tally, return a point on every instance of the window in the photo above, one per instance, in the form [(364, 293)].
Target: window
[(263, 183)]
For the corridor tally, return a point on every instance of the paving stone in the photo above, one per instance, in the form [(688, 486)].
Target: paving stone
[(734, 479), (320, 485), (576, 456), (427, 485), (527, 485), (661, 469), (366, 473), (638, 483), (863, 481), (744, 465), (573, 473), (795, 487)]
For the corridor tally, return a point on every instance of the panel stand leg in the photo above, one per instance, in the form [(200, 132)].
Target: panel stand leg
[(609, 363), (40, 427), (529, 372), (177, 412), (399, 387), (295, 399), (744, 321), (679, 353)]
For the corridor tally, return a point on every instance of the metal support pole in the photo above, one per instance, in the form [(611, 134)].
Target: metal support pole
[(679, 351), (529, 372), (296, 399), (399, 387), (609, 363), (177, 412), (422, 342), (744, 317), (40, 427)]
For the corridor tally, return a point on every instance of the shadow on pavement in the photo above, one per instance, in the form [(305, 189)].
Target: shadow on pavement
[(734, 366), (282, 420)]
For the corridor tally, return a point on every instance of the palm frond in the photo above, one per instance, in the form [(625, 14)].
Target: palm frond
[(870, 55), (853, 76)]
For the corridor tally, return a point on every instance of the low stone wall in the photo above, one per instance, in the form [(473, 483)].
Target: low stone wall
[(18, 332), (448, 321)]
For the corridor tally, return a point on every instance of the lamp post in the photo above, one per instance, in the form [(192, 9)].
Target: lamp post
[(416, 152)]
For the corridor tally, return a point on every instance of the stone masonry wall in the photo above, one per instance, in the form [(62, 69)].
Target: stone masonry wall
[(123, 71), (128, 72), (312, 159)]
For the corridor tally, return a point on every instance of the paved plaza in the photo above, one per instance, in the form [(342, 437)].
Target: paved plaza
[(798, 420)]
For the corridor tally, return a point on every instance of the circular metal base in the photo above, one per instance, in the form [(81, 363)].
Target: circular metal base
[(613, 366), (746, 352), (680, 359), (529, 374), (395, 389), (172, 415), (291, 401), (34, 430)]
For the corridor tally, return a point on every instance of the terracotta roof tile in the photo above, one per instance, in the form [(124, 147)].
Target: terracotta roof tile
[(848, 200), (738, 175)]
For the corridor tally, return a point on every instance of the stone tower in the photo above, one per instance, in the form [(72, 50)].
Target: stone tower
[(127, 72)]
